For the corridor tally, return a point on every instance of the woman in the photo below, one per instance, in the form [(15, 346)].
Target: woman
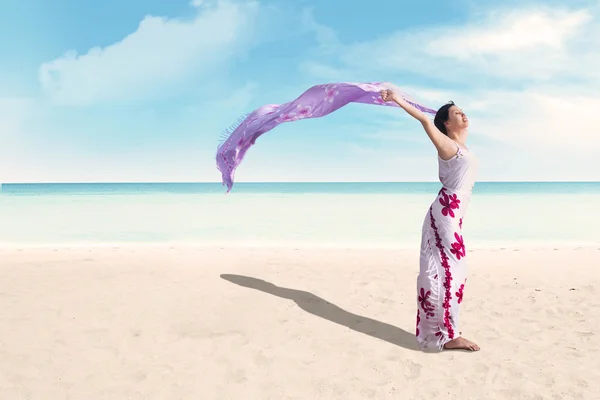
[(443, 267)]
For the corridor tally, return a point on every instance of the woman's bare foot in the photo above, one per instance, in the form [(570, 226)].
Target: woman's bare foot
[(460, 343)]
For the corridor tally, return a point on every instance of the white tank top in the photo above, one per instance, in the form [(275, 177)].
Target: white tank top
[(458, 174)]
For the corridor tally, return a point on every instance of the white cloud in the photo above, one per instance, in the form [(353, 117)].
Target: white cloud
[(543, 119), (325, 36), (539, 119), (529, 44), (155, 59), (516, 31), (538, 131), (522, 45), (41, 143)]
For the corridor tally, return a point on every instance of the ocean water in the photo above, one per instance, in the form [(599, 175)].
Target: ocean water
[(291, 214)]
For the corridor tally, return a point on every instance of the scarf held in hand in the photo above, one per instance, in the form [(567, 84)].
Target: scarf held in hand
[(315, 102)]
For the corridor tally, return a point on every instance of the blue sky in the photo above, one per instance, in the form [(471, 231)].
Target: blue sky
[(140, 90)]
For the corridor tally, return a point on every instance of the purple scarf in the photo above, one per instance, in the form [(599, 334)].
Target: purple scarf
[(317, 101)]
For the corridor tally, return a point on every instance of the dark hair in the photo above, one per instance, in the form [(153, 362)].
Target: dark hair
[(441, 116)]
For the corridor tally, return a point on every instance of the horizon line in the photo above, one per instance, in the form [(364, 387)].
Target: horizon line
[(270, 182)]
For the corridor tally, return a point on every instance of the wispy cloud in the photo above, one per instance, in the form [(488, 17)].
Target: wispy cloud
[(527, 76), (543, 118), (529, 44), (516, 31), (525, 51), (157, 59)]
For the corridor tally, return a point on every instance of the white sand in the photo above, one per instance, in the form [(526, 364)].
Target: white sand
[(162, 323)]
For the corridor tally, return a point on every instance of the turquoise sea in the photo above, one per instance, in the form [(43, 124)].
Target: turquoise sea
[(274, 214)]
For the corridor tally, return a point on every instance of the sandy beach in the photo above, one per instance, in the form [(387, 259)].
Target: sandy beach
[(210, 323)]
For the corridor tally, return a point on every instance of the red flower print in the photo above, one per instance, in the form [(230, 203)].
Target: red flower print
[(458, 247), (424, 296), (450, 203), (459, 294), (426, 304), (454, 200), (448, 275), (460, 223)]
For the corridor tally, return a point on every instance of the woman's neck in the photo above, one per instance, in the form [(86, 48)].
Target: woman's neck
[(459, 137)]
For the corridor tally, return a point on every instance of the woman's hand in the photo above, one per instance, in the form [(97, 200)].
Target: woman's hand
[(446, 147), (388, 95)]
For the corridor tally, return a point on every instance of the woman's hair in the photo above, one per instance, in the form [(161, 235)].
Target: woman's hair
[(441, 116)]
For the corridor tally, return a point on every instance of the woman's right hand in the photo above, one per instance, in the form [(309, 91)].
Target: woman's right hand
[(388, 95)]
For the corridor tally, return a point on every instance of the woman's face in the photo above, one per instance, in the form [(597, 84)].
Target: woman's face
[(457, 120)]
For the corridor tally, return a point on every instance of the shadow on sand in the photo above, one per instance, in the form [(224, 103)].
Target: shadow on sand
[(326, 310)]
